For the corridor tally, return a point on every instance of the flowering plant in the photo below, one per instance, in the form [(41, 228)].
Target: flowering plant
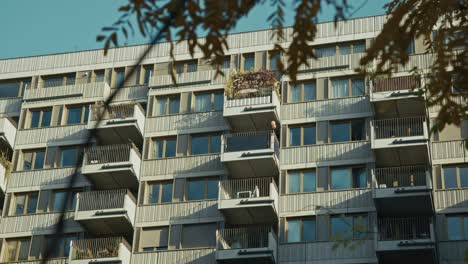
[(251, 84)]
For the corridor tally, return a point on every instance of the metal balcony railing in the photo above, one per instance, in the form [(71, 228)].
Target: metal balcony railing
[(396, 84), (246, 188), (406, 176), (398, 127), (96, 248), (404, 228), (108, 154), (250, 141), (112, 112), (238, 238), (101, 200)]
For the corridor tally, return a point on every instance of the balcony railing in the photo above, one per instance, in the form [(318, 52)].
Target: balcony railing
[(251, 141), (246, 188), (112, 112), (101, 200), (398, 127), (407, 176), (253, 97), (396, 84), (404, 228), (108, 154), (242, 238), (96, 248)]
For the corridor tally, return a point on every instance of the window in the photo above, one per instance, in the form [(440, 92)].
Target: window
[(154, 239), (199, 235), (301, 229), (302, 135), (351, 130), (205, 102), (33, 159), (62, 245), (77, 114), (249, 61), (226, 62), (99, 75), (410, 49), (325, 51), (344, 49), (200, 189), (148, 72), (167, 105), (59, 199), (348, 227), (164, 147), (13, 88), (304, 91), (58, 80), (186, 66), (301, 181), (69, 156), (119, 76), (40, 118), (455, 177), (347, 87), (159, 192), (17, 249), (204, 144), (457, 227), (347, 178), (25, 203)]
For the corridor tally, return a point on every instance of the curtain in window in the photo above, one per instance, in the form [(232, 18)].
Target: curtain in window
[(202, 102), (158, 149), (294, 230), (325, 51), (310, 91), (340, 88), (345, 50), (358, 86), (359, 48), (295, 93)]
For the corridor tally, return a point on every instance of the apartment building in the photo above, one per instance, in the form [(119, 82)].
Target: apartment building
[(337, 168)]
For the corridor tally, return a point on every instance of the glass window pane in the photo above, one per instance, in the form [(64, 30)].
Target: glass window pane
[(12, 246), (295, 90), (74, 115), (294, 136), (341, 227), (153, 196), (196, 190), (192, 66), (212, 189), (158, 146), (359, 47), (86, 114), (148, 73), (345, 49), (35, 116), (359, 227), (215, 144), (410, 49), (340, 132), (166, 196), (174, 105), (32, 203), (359, 177), (249, 62), (69, 157), (9, 89), (340, 179), (309, 135), (218, 101), (46, 117), (340, 88), (19, 204), (358, 131), (308, 230), (310, 91), (39, 160), (120, 76), (294, 229), (454, 224), (200, 145), (463, 172), (294, 182), (226, 63), (325, 51), (59, 200), (67, 245), (358, 86), (23, 250), (450, 177), (202, 103), (170, 148), (309, 181), (27, 161), (161, 106)]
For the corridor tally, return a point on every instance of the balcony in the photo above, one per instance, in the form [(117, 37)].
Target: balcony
[(406, 238), (403, 190), (10, 106), (68, 134), (102, 250), (251, 154), (395, 88), (246, 245), (57, 89), (253, 110), (112, 166), (446, 152), (7, 133), (180, 256), (249, 201), (106, 212), (120, 123)]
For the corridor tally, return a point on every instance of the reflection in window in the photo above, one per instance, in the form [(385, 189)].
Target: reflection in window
[(302, 135), (200, 189), (77, 114), (205, 102), (33, 160), (69, 156), (204, 144), (302, 92), (455, 177), (164, 148), (167, 105), (301, 181), (348, 227), (26, 203), (40, 118), (301, 229), (352, 130), (159, 192), (249, 61), (347, 178)]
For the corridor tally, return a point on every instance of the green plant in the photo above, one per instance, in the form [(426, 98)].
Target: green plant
[(252, 83)]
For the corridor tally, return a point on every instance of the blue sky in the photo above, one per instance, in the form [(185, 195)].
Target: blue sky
[(35, 27)]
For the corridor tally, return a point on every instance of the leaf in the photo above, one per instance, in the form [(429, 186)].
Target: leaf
[(100, 38)]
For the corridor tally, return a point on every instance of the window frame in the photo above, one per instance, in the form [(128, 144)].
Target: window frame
[(352, 228), (70, 203), (61, 151), (160, 184), (246, 56), (164, 140), (457, 175), (23, 84), (301, 135), (301, 228), (41, 116), (350, 128), (210, 145), (350, 171), (461, 228), (212, 100), (302, 84), (301, 180), (85, 111), (33, 153), (167, 104), (350, 80), (18, 242), (185, 65), (27, 197), (205, 181)]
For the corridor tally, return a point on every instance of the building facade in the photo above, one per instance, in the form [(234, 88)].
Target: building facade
[(337, 168)]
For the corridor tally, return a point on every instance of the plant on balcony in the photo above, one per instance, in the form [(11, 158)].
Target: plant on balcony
[(6, 163), (251, 84)]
